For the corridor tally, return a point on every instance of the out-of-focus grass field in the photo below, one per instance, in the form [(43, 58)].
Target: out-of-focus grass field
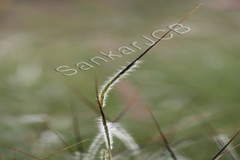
[(192, 77)]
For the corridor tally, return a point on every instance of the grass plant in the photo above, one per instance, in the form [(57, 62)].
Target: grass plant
[(109, 129)]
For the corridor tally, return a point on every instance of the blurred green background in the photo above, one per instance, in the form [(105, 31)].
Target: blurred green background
[(192, 77)]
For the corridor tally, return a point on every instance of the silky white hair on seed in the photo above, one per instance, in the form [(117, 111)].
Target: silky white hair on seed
[(97, 142), (116, 130), (103, 132), (108, 85), (120, 133)]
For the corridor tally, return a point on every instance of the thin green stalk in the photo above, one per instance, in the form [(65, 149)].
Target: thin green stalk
[(104, 122)]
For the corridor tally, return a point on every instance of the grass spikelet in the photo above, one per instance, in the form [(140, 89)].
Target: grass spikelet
[(122, 73), (102, 131), (125, 71), (103, 154), (114, 130), (104, 121), (94, 147), (128, 141), (105, 89)]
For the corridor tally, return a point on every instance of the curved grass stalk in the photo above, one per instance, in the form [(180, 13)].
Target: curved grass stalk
[(103, 93), (113, 80), (103, 125), (108, 85)]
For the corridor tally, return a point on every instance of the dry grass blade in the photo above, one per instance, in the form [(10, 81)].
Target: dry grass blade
[(75, 125), (29, 155), (63, 142), (228, 151), (225, 145), (162, 134), (143, 145), (81, 96), (14, 155), (64, 149), (211, 131), (170, 132)]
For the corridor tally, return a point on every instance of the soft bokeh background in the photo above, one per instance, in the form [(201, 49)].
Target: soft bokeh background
[(190, 78)]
